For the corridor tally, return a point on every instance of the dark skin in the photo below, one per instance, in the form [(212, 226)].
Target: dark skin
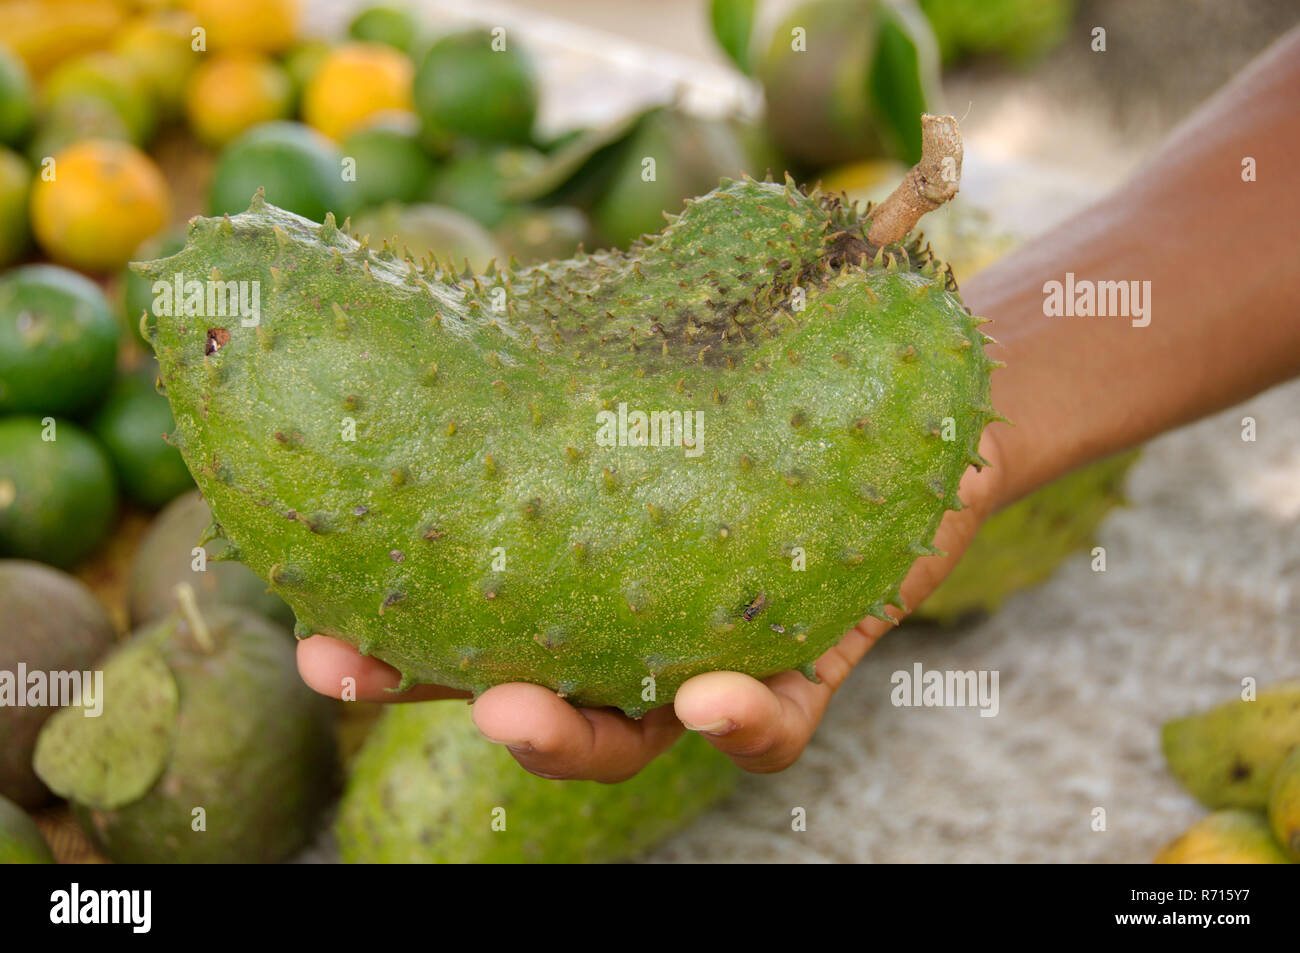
[(1223, 259)]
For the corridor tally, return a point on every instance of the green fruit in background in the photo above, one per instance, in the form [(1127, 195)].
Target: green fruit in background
[(849, 79), (298, 168), (476, 181), (132, 425), (391, 164), (166, 558), (733, 26), (689, 155), (58, 341), (137, 294), (57, 497), (1284, 804), (489, 524), (395, 26), (634, 170), (578, 165), (422, 230), (303, 61), (1026, 543), (465, 88), (1225, 837), (1019, 30), (106, 76), (20, 839), (73, 119), (158, 48), (15, 189), (53, 623), (204, 709), (17, 99), (1228, 756), (428, 788), (538, 234)]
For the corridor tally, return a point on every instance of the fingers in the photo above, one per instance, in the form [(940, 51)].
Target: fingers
[(335, 668), (551, 738), (763, 726)]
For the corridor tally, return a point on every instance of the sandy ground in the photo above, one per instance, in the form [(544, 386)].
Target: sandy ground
[(1201, 588)]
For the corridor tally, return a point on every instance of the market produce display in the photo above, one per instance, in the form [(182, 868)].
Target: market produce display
[(342, 334), (209, 747)]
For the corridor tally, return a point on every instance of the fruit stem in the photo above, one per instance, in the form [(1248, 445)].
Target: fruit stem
[(190, 609), (931, 182)]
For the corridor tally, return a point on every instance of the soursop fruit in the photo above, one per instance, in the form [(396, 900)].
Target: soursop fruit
[(460, 474), (208, 749), (427, 788)]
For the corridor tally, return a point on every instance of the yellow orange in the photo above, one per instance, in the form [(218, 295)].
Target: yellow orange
[(104, 198), (158, 46), (232, 91), (355, 83), (259, 26)]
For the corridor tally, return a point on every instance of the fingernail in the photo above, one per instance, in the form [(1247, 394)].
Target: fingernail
[(518, 747), (716, 728)]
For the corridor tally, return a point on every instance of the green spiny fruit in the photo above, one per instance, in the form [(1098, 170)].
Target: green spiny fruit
[(1228, 756), (1232, 836), (53, 623), (1284, 804), (208, 747), (427, 788), (1025, 544), (438, 467), (20, 839)]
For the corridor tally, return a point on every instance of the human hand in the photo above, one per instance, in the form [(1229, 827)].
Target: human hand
[(763, 726)]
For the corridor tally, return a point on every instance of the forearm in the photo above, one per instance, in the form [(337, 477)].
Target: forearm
[(1222, 256)]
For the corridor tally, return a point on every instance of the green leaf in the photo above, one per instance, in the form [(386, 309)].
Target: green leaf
[(733, 23), (109, 760), (898, 90)]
